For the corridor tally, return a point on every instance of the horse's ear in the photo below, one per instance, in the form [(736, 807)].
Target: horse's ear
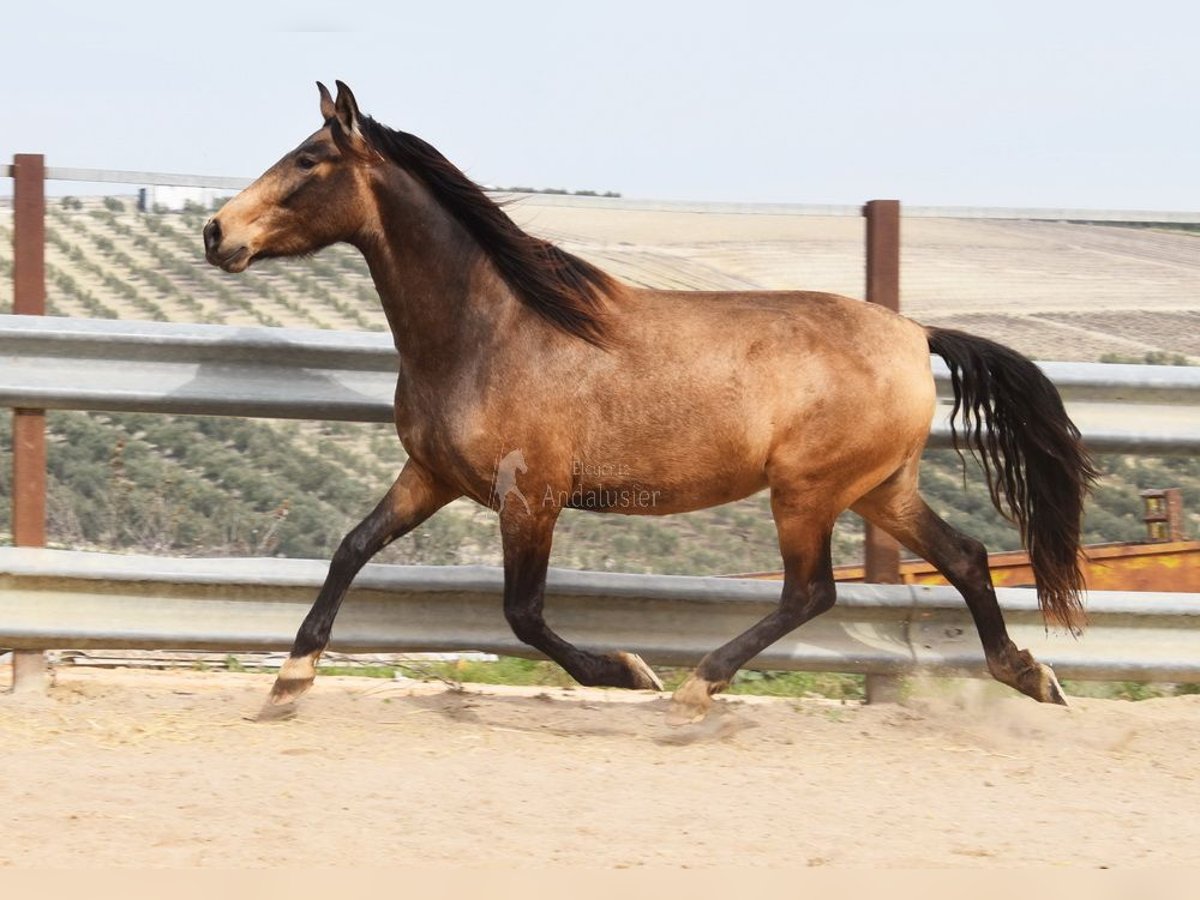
[(327, 108), (344, 125), (346, 108)]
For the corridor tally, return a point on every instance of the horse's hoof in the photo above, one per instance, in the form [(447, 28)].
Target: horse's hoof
[(295, 677), (1032, 678), (274, 712), (642, 677), (288, 690), (1049, 689), (691, 700)]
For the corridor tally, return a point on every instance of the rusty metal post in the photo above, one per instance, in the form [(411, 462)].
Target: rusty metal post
[(881, 563), (29, 425)]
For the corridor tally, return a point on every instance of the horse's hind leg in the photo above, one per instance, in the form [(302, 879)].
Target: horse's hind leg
[(805, 532), (896, 507), (412, 499), (526, 539)]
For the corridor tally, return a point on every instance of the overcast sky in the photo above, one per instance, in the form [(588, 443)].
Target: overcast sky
[(1089, 104)]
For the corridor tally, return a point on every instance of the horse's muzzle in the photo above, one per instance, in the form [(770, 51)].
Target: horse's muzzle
[(212, 239), (234, 260)]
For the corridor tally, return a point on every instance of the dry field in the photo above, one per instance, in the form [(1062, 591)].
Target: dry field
[(1052, 290)]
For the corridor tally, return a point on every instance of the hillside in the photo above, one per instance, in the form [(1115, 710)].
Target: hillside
[(196, 486)]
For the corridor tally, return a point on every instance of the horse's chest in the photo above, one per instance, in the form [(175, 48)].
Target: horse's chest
[(427, 439), (444, 444)]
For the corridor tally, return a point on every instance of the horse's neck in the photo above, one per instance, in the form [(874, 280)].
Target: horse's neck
[(438, 290)]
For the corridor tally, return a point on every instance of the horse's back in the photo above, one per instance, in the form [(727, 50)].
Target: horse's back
[(814, 342), (812, 320)]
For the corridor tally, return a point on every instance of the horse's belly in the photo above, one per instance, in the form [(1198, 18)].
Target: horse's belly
[(656, 499), (658, 477)]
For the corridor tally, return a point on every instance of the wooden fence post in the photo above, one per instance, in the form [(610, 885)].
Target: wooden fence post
[(881, 563)]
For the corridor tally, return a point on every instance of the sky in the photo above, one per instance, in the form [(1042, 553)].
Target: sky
[(1054, 103)]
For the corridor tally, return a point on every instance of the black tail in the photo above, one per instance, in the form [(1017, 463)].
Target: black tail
[(1037, 468)]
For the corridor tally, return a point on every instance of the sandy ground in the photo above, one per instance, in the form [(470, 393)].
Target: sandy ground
[(140, 768)]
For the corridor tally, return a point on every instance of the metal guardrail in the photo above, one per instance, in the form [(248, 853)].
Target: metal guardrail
[(1119, 408), (60, 363), (57, 599), (124, 366), (119, 176)]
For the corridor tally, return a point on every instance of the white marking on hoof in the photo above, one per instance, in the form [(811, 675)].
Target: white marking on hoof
[(644, 677), (691, 701), (1052, 691), (295, 677)]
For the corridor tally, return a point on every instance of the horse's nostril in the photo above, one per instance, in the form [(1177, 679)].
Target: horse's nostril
[(212, 236)]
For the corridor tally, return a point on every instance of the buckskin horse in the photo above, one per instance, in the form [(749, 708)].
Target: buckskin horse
[(615, 395)]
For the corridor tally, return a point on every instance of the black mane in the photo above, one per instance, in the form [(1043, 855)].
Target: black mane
[(562, 288)]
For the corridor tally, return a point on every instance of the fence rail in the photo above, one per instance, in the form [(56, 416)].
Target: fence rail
[(122, 366), (57, 599), (1051, 214)]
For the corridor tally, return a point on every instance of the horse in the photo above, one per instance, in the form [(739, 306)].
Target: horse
[(624, 400)]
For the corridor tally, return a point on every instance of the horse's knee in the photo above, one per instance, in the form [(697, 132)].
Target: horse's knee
[(525, 624), (800, 605), (354, 548)]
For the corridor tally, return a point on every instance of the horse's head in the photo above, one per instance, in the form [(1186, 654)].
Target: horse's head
[(313, 197)]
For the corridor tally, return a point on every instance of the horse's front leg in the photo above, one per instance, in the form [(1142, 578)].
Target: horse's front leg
[(526, 538), (413, 498)]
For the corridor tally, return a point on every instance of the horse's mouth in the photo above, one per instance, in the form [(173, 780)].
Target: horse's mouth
[(236, 260)]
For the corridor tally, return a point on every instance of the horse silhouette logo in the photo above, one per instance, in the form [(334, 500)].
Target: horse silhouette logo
[(505, 482)]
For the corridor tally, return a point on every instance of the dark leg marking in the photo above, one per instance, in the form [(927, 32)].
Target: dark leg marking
[(412, 499), (526, 557)]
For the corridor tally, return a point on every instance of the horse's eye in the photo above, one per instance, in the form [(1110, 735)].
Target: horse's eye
[(306, 162)]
